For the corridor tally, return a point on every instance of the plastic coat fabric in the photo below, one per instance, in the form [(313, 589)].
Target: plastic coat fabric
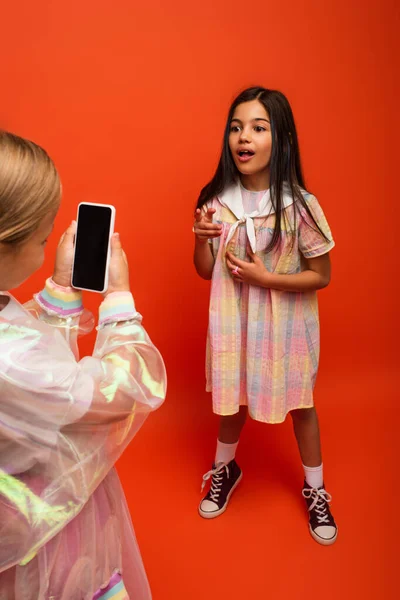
[(64, 524)]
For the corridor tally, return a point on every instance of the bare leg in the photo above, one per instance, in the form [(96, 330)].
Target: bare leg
[(231, 426), (321, 522), (306, 429)]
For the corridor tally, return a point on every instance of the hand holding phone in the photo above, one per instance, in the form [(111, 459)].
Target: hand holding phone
[(118, 272), (65, 257)]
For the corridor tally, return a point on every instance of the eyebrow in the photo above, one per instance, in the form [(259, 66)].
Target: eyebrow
[(257, 119)]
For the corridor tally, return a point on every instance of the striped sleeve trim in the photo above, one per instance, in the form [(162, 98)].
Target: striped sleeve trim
[(117, 306), (60, 301)]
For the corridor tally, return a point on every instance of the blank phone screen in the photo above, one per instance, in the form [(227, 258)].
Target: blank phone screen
[(91, 247)]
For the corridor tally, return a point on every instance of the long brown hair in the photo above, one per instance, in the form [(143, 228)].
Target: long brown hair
[(285, 166)]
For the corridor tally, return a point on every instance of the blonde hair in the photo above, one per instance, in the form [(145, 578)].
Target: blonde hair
[(29, 188)]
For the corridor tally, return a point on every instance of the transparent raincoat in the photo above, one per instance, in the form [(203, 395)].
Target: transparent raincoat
[(65, 528)]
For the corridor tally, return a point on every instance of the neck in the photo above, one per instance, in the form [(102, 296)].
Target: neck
[(256, 182)]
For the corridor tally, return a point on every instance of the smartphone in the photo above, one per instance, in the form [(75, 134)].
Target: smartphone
[(95, 226)]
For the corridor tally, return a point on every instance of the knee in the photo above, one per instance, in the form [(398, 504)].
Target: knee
[(239, 417), (302, 415)]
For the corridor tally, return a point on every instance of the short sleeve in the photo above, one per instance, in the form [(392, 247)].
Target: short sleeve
[(311, 242)]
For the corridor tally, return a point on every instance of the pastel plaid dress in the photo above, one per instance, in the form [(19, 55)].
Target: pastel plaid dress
[(263, 344)]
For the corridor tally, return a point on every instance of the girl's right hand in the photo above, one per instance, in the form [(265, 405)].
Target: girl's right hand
[(65, 257), (118, 270), (204, 228)]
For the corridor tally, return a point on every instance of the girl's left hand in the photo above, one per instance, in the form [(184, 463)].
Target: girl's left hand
[(253, 273), (64, 257)]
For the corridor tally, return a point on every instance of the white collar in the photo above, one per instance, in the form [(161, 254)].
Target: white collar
[(231, 197)]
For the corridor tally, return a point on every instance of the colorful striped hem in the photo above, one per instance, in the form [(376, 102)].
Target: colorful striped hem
[(115, 590), (59, 301), (117, 306)]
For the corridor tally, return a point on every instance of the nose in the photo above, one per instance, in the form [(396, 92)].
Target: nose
[(245, 135)]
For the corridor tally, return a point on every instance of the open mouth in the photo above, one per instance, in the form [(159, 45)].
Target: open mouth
[(245, 153)]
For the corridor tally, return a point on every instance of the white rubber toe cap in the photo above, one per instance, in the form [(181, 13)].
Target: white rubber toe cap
[(208, 506), (325, 534)]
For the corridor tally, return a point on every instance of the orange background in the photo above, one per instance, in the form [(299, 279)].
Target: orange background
[(130, 100)]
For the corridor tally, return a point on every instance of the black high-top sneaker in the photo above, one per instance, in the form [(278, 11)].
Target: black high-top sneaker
[(322, 524), (224, 479)]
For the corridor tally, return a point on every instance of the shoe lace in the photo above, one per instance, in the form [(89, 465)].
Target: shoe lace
[(217, 475), (321, 500)]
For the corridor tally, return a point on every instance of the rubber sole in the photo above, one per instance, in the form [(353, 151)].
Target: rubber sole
[(217, 513)]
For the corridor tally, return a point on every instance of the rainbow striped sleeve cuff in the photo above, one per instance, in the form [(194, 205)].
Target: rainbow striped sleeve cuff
[(117, 306), (60, 301)]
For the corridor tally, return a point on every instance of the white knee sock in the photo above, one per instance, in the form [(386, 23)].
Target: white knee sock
[(314, 476), (225, 452)]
